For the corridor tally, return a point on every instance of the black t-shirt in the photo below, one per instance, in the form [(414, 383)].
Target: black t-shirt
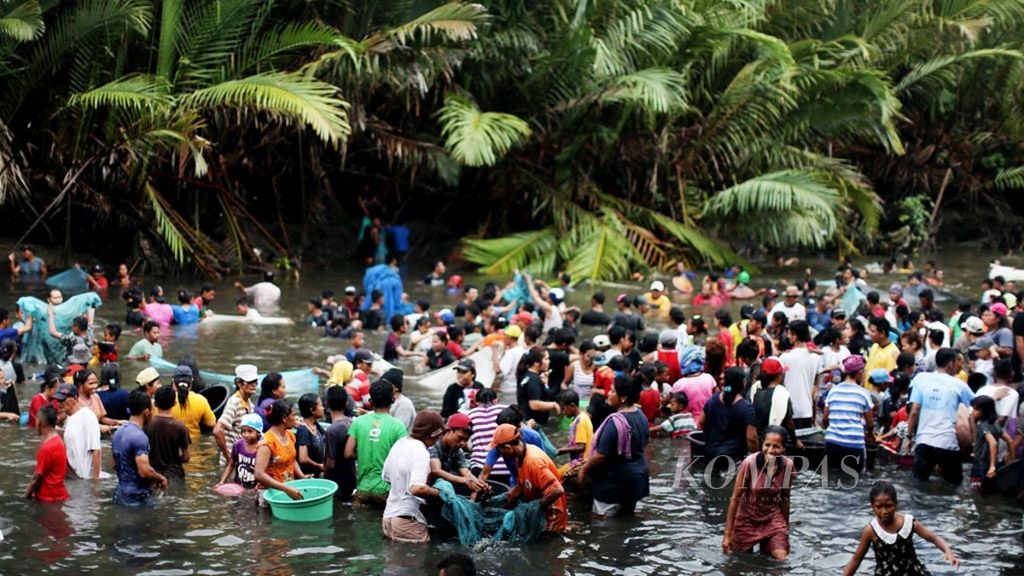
[(314, 443), (763, 407), (531, 387), (1018, 330), (167, 438), (725, 427), (559, 361), (344, 472), (594, 318), (372, 319), (435, 360), (453, 397), (116, 403), (633, 322)]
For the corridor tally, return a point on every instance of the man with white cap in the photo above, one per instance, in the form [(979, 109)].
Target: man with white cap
[(228, 429), (148, 380), (658, 300)]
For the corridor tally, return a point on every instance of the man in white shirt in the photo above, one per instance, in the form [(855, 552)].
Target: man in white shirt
[(1002, 391), (790, 305), (407, 469), (510, 360), (263, 295), (802, 370), (81, 433), (245, 310)]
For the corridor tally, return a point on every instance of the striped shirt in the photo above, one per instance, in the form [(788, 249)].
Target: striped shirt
[(484, 420), (847, 403), (231, 420)]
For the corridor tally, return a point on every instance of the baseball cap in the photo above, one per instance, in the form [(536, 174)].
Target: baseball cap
[(990, 294), (838, 313), (759, 316), (466, 365), (65, 391), (879, 376), (602, 341), (445, 315), (252, 421), (1011, 300), (668, 337), (772, 366), (350, 289), (362, 355), (982, 344), (600, 360), (459, 421), (246, 373), (525, 317), (853, 364), (514, 331), (182, 372), (622, 298), (557, 295), (146, 376), (504, 434), (974, 325), (455, 280), (746, 310), (999, 309), (657, 285)]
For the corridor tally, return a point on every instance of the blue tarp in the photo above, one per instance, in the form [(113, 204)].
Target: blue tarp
[(382, 277), (72, 281), (519, 292), (38, 346)]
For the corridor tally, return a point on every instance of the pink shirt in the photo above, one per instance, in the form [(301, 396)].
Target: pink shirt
[(698, 390), (159, 313)]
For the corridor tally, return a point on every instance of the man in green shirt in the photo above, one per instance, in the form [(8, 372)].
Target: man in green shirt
[(148, 347), (369, 440)]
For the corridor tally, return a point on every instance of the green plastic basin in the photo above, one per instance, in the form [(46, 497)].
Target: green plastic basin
[(317, 501)]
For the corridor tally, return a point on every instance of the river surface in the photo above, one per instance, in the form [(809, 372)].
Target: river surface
[(677, 530)]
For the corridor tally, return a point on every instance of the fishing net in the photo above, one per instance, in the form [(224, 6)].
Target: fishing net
[(383, 278), (71, 281), (38, 346), (549, 448), (518, 291), (473, 520)]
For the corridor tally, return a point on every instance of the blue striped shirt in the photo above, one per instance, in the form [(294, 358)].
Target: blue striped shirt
[(847, 403)]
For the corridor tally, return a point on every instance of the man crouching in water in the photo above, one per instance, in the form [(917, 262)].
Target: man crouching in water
[(538, 477)]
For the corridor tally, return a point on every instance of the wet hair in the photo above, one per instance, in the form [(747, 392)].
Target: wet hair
[(936, 337), (164, 397), (534, 355), (1003, 369), (307, 404), (442, 336), (114, 329), (564, 336), (735, 378), (184, 296), (714, 357), (486, 396), (513, 415), (944, 356), (647, 372), (748, 350), (828, 336), (699, 326), (627, 389), (375, 295), (197, 378), (397, 321), (47, 415), (882, 488), (454, 332), (80, 322), (681, 398), (598, 297), (775, 429), (149, 325), (243, 301), (566, 398), (587, 346), (138, 402), (422, 321), (7, 349), (382, 394), (801, 330), (905, 360), (457, 564), (110, 375), (279, 411), (677, 315), (336, 398), (987, 406), (270, 383), (926, 294)]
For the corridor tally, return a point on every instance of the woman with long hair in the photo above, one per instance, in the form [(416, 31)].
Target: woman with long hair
[(531, 387), (271, 388)]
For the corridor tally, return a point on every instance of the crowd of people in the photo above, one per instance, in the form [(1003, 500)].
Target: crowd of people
[(863, 370)]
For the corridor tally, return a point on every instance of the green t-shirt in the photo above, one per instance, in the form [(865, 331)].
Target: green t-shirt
[(146, 347), (375, 434)]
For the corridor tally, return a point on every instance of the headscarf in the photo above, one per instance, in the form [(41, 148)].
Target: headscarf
[(691, 360), (341, 373)]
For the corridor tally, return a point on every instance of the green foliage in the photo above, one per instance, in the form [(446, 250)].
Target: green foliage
[(478, 138)]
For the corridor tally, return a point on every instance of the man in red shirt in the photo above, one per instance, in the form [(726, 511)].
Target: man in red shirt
[(47, 483)]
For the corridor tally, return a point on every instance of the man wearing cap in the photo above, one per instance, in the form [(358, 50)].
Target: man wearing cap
[(448, 456), (370, 439), (351, 302), (658, 300), (407, 470), (510, 360), (148, 380), (935, 398), (458, 395), (803, 368), (848, 418), (228, 429), (973, 328), (998, 328), (985, 353), (81, 433), (537, 477), (790, 305)]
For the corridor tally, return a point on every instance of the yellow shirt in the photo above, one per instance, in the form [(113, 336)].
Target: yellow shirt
[(879, 357), (195, 413), (584, 436), (737, 337), (660, 307)]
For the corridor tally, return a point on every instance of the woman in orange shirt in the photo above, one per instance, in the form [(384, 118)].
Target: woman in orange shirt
[(276, 461)]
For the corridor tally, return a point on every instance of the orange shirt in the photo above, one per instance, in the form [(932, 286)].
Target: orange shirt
[(539, 477), (282, 456)]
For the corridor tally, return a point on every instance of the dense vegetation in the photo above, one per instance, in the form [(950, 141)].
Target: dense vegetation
[(594, 135)]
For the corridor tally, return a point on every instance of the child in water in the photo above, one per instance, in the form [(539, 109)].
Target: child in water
[(759, 507), (986, 445), (890, 535), (243, 454), (679, 422)]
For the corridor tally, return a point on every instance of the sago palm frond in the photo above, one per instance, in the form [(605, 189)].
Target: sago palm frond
[(131, 93), (654, 90), (601, 250), (284, 96), (263, 48), (22, 22), (535, 251), (937, 73), (477, 138), (1009, 179), (173, 238), (456, 21)]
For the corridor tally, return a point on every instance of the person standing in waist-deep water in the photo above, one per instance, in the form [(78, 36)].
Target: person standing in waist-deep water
[(135, 477)]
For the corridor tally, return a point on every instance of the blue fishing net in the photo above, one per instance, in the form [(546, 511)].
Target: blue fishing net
[(519, 292), (38, 346), (70, 281), (383, 278), (473, 520), (549, 448)]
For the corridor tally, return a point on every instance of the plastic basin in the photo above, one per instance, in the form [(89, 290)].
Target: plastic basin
[(317, 501)]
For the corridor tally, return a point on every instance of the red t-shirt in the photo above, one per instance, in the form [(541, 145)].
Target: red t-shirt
[(671, 358), (38, 401), (650, 401), (52, 465), (456, 349), (604, 379)]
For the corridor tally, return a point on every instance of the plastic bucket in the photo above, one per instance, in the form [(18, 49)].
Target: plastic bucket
[(317, 501), (217, 395)]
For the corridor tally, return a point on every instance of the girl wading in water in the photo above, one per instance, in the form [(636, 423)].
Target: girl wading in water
[(890, 534), (759, 508)]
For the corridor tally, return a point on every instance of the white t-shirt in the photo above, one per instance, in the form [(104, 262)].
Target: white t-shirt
[(1006, 407), (407, 464), (553, 319), (253, 314), (508, 364), (81, 435), (264, 295), (794, 312), (947, 333), (940, 395), (804, 367)]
